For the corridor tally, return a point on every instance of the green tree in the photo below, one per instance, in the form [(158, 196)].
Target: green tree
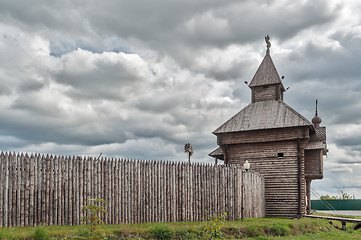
[(342, 196), (328, 197)]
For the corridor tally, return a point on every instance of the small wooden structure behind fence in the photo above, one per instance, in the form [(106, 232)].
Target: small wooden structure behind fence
[(51, 190)]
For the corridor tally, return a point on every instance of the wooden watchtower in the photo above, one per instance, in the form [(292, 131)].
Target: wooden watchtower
[(277, 141)]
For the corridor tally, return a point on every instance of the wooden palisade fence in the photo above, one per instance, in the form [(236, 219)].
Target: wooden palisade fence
[(51, 190)]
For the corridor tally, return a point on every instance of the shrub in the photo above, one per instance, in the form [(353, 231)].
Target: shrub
[(212, 228), (118, 232), (280, 230), (2, 236), (161, 233), (253, 231), (92, 219), (41, 234), (184, 235), (262, 238), (93, 211)]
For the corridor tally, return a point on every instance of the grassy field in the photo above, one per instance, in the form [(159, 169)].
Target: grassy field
[(264, 228)]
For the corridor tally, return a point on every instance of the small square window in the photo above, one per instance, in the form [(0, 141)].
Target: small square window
[(280, 154), (265, 86)]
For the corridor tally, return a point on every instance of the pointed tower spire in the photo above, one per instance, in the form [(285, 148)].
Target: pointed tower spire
[(316, 120), (266, 84)]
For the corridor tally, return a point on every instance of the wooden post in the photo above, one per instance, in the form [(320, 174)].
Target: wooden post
[(343, 225), (2, 193)]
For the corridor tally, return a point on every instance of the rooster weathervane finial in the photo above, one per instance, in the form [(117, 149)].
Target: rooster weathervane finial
[(267, 38)]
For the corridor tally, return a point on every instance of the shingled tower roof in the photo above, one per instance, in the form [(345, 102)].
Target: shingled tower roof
[(266, 74), (263, 115)]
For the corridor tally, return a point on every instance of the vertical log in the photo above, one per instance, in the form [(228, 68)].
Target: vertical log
[(84, 173), (43, 190), (167, 183), (120, 183), (19, 216), (198, 195), (10, 190), (71, 190), (109, 189), (110, 192), (164, 185), (81, 186), (128, 190), (116, 191), (36, 189), (2, 170), (88, 193), (147, 190), (215, 183), (77, 191), (13, 191), (61, 213), (136, 181), (31, 164), (200, 192), (122, 195), (172, 192), (51, 190), (140, 192), (16, 209), (151, 192), (99, 187), (6, 190), (156, 193), (185, 192), (56, 190), (106, 184), (47, 189), (33, 191), (65, 191), (94, 178)]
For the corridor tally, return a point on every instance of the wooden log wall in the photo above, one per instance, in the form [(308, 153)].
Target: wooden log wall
[(51, 190), (280, 173)]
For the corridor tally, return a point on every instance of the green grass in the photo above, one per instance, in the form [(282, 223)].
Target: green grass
[(264, 228)]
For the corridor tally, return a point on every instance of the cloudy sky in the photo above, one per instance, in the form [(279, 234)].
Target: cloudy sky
[(138, 79)]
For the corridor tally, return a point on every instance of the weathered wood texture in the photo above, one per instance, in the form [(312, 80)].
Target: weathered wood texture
[(51, 190), (314, 164), (281, 173), (267, 92), (263, 135)]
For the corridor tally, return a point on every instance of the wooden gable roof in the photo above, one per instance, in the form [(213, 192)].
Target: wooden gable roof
[(263, 115)]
